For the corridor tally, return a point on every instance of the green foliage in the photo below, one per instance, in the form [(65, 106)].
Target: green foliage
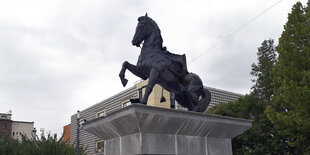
[(49, 145), (262, 138), (279, 103), (263, 88), (290, 109), (9, 147)]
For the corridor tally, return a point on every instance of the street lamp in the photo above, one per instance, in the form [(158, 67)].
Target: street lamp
[(79, 124)]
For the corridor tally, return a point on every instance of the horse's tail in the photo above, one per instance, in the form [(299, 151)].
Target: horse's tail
[(204, 101)]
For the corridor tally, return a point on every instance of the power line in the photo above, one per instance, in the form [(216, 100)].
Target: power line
[(237, 30)]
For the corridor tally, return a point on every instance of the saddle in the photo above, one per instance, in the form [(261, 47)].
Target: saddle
[(177, 65)]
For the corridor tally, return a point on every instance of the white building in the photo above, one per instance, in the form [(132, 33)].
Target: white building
[(20, 128)]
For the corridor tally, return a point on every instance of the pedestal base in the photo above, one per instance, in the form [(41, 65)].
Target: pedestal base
[(139, 129), (167, 144)]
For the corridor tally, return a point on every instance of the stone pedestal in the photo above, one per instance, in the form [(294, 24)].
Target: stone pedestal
[(139, 129), (157, 93)]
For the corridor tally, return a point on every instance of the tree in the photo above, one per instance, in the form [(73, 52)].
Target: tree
[(49, 145), (262, 87), (290, 108), (279, 102), (257, 139), (262, 138)]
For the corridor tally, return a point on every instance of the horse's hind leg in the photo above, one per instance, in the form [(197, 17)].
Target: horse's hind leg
[(133, 69), (154, 75)]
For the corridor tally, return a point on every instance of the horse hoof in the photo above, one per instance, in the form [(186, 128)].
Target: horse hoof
[(124, 82)]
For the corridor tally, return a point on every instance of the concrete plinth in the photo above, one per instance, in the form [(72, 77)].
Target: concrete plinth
[(139, 129)]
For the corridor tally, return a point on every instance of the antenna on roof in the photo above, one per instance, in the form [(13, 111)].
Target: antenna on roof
[(9, 112)]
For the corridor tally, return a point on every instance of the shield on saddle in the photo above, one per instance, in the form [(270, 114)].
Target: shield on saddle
[(177, 65)]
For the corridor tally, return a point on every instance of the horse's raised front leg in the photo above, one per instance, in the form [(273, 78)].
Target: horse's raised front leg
[(122, 73), (133, 69), (154, 75)]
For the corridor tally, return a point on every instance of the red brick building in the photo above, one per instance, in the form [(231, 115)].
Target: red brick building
[(5, 125), (67, 133)]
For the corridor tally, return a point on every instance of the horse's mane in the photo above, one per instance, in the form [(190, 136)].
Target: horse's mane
[(152, 23)]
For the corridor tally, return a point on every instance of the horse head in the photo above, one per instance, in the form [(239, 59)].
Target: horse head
[(146, 28)]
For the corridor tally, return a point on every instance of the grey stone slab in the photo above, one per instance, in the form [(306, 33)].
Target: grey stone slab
[(131, 144), (158, 144), (146, 119), (195, 128), (189, 115), (192, 145), (196, 145), (181, 145), (123, 126), (218, 146), (226, 130), (158, 124), (109, 131), (112, 147)]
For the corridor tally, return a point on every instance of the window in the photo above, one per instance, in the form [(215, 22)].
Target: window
[(4, 116), (101, 113), (126, 103), (100, 146), (4, 126)]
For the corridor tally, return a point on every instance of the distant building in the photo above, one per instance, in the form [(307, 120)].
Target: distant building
[(15, 129), (95, 145), (5, 125), (20, 128), (67, 133), (222, 96)]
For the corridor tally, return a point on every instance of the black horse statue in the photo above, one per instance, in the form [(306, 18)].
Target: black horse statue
[(164, 68)]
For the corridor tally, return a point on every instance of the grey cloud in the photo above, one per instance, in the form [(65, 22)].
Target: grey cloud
[(75, 54)]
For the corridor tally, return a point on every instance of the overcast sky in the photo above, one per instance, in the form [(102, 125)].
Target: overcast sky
[(60, 56)]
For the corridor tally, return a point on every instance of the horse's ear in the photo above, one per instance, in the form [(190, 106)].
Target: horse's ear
[(146, 15)]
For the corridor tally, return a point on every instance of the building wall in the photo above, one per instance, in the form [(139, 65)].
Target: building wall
[(5, 116), (67, 133), (222, 96), (19, 128), (5, 127), (115, 102)]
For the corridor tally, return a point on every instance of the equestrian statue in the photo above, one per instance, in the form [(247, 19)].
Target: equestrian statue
[(164, 68)]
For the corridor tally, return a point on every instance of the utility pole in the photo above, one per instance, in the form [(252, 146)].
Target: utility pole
[(78, 132)]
